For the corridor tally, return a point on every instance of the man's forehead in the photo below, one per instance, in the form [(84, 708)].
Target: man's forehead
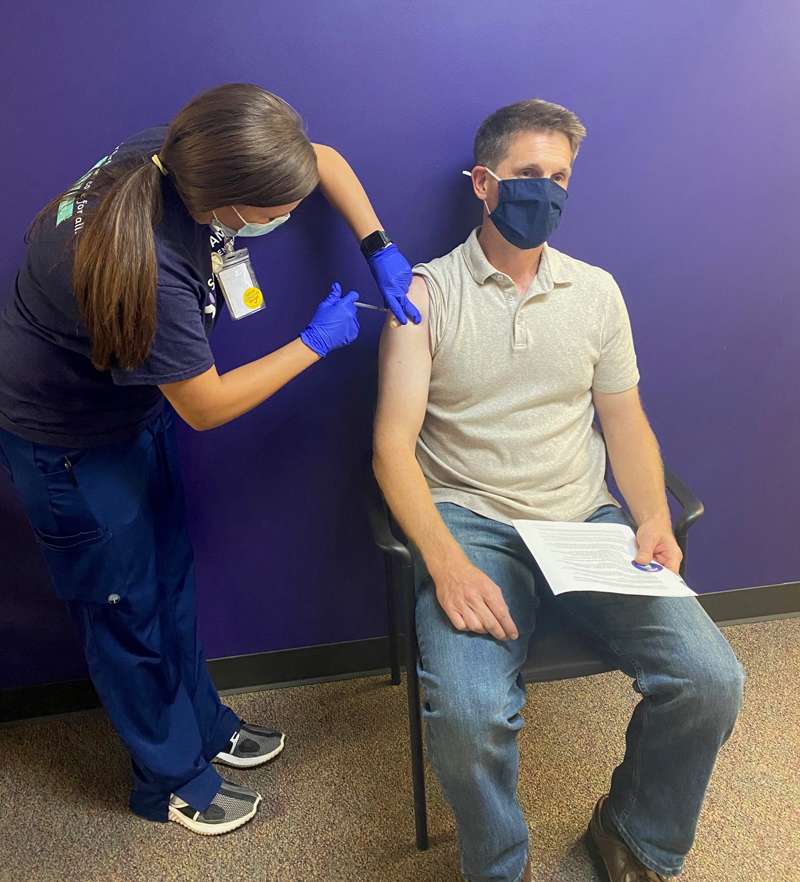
[(539, 146)]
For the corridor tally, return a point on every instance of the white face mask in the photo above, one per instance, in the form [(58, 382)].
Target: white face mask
[(250, 229)]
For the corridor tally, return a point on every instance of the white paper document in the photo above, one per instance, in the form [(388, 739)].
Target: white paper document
[(596, 557)]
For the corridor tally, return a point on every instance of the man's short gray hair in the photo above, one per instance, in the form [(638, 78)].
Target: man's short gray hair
[(496, 131)]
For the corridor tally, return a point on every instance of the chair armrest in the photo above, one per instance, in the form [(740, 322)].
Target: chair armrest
[(381, 525), (693, 509)]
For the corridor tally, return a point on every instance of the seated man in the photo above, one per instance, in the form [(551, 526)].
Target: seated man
[(486, 413)]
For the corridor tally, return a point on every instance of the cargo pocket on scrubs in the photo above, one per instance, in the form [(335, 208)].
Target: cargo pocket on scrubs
[(77, 549)]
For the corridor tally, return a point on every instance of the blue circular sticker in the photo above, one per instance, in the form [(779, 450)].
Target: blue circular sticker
[(648, 567)]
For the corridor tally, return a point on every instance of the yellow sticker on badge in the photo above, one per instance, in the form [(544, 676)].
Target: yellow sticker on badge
[(253, 298)]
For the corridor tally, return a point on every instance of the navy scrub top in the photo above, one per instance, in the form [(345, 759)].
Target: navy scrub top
[(50, 392)]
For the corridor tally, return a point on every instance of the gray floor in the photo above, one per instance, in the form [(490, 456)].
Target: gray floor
[(337, 803)]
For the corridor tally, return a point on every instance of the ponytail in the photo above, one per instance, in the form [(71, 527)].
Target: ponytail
[(115, 269), (235, 144)]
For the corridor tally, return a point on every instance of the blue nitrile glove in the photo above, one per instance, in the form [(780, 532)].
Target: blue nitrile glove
[(392, 272), (334, 324)]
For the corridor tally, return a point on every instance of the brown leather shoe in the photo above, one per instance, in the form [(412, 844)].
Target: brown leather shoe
[(612, 853)]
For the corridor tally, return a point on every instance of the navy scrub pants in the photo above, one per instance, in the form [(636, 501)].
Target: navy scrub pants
[(111, 523)]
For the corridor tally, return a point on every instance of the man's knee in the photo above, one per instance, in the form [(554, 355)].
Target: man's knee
[(471, 719), (714, 685)]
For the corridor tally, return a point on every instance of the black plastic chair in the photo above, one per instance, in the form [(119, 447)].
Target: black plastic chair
[(556, 652)]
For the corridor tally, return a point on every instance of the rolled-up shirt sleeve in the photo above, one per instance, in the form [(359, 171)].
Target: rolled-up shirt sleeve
[(616, 369)]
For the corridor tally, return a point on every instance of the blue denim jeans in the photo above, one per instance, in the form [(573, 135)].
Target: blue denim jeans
[(688, 677)]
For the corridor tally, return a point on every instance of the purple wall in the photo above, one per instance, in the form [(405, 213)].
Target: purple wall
[(687, 190)]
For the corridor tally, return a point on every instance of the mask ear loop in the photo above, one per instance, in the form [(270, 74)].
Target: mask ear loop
[(469, 175), (227, 240)]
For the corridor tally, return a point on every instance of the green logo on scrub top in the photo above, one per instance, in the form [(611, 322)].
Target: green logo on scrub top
[(66, 207)]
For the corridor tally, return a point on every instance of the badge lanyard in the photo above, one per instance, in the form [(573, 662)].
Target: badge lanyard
[(237, 279)]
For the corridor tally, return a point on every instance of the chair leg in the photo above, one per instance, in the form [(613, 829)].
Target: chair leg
[(415, 725), (391, 615), (417, 760)]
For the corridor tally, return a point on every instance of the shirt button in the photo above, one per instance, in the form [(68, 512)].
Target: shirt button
[(113, 599)]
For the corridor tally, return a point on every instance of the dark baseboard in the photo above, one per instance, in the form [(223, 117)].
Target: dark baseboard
[(46, 700), (306, 664), (238, 673), (741, 606), (336, 661)]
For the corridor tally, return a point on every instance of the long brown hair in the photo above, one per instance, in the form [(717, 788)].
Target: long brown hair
[(236, 144)]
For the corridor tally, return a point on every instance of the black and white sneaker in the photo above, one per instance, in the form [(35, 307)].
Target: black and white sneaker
[(251, 746), (232, 807)]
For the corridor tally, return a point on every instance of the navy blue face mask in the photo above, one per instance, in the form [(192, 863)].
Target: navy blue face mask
[(528, 209)]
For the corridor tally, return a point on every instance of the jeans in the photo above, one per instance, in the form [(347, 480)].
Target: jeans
[(688, 677)]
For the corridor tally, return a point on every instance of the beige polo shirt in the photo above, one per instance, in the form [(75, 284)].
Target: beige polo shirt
[(509, 428)]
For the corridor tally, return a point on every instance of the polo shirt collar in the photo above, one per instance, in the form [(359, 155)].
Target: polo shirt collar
[(552, 273)]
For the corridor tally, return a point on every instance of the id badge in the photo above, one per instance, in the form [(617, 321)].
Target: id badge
[(239, 284)]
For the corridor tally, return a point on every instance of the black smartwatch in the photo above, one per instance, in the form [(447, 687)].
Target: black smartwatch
[(374, 243)]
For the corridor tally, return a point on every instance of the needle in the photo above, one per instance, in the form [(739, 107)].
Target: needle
[(371, 306)]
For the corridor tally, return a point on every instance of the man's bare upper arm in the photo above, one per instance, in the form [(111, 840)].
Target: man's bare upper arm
[(618, 409), (405, 371)]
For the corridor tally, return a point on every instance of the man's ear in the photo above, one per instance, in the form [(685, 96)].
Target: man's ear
[(480, 181)]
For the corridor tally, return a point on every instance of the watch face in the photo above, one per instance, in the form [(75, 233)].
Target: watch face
[(375, 241)]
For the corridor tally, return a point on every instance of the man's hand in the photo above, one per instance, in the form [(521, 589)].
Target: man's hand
[(473, 602), (656, 542)]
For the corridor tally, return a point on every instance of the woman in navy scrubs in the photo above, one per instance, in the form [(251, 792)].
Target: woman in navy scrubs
[(111, 314)]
